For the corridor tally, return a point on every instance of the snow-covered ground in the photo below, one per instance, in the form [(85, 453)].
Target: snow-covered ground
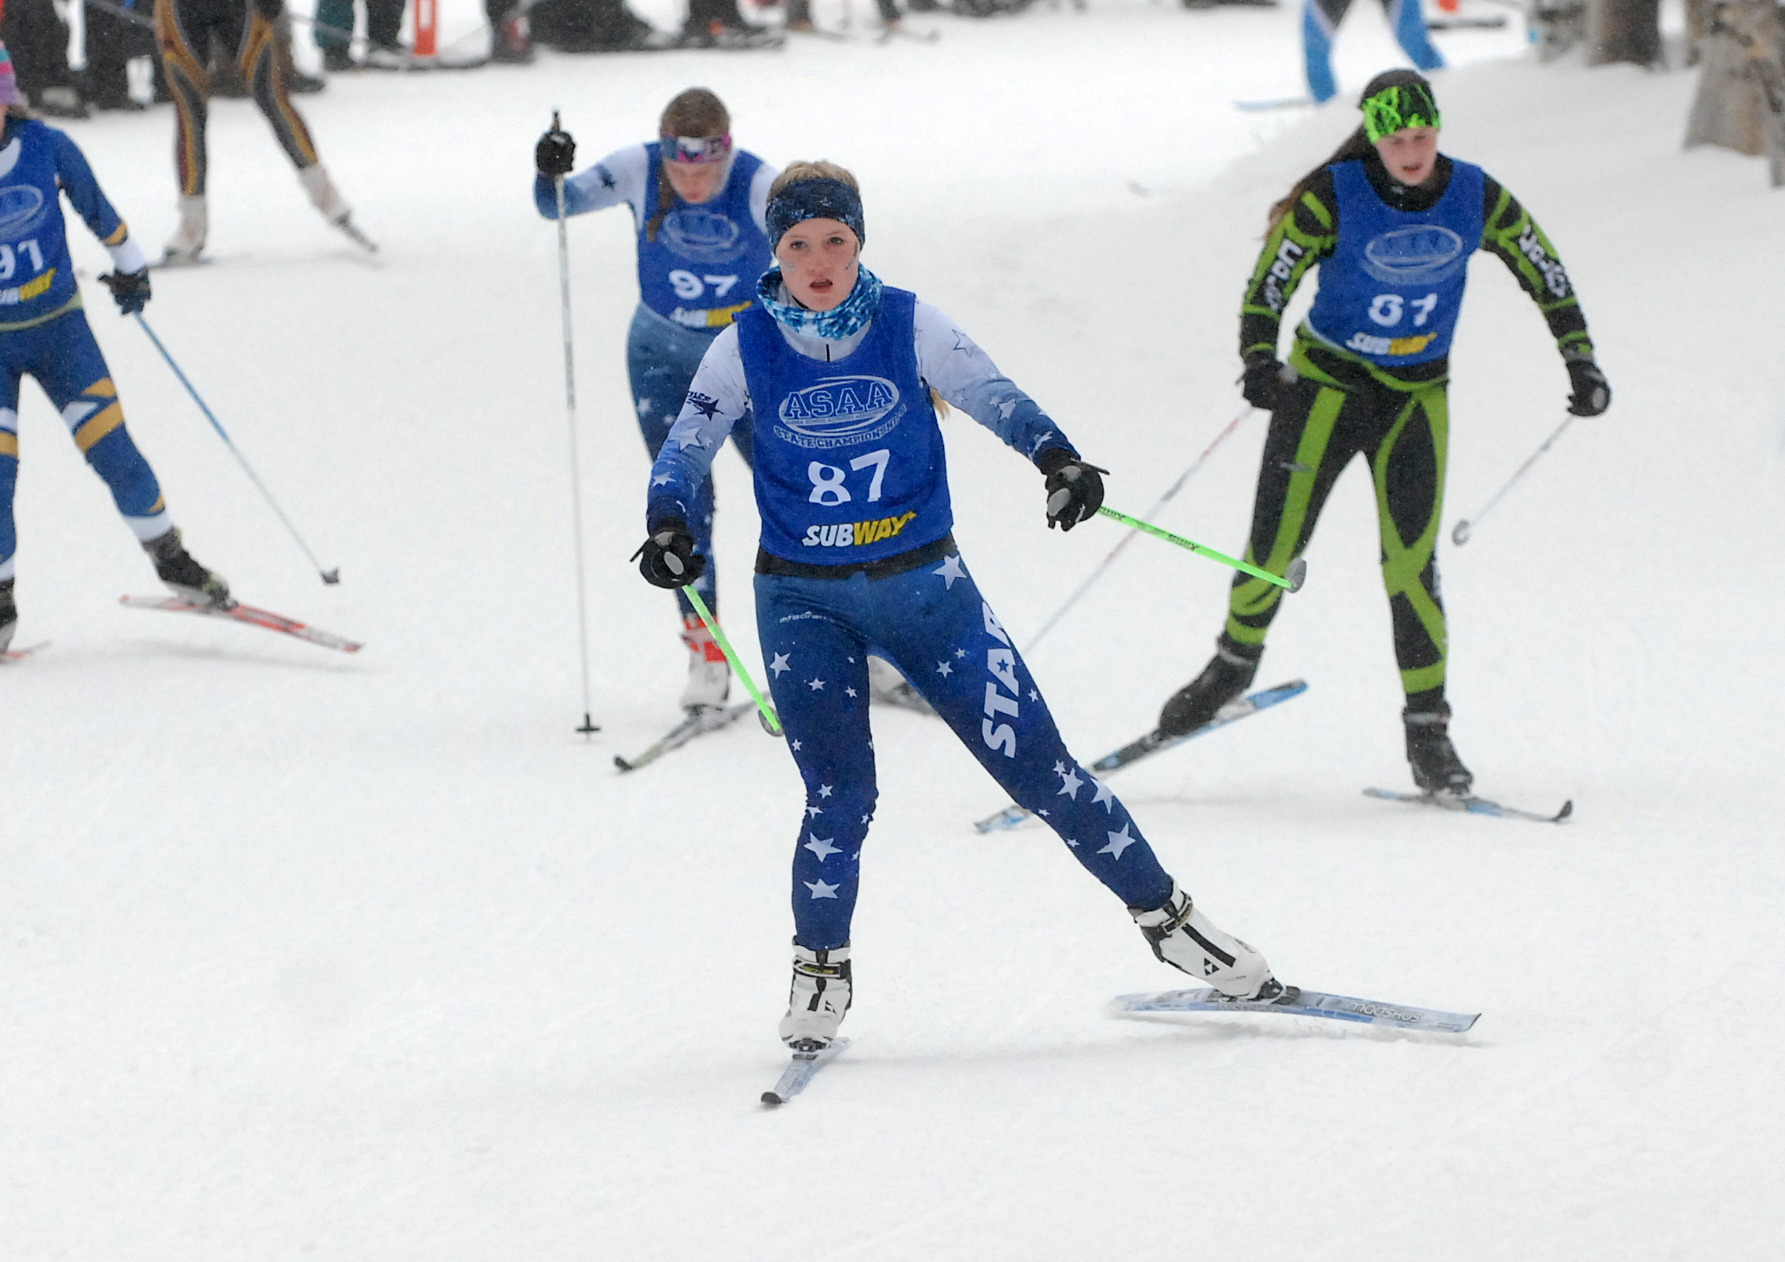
[(309, 956)]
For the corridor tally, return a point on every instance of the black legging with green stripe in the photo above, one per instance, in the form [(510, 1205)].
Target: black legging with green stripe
[(1334, 411)]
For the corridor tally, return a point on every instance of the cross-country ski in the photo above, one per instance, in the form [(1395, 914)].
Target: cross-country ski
[(1299, 1003), (248, 615), (1155, 742), (1469, 804), (698, 722), (800, 1071)]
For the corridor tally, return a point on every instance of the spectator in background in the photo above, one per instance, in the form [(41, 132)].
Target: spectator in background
[(509, 39), (37, 37), (118, 31)]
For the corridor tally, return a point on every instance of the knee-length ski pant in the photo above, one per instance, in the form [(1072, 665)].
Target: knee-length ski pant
[(1315, 432), (661, 359), (63, 356), (183, 29), (931, 623)]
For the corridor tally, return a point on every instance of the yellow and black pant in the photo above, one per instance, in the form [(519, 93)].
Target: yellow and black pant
[(1322, 421), (184, 29)]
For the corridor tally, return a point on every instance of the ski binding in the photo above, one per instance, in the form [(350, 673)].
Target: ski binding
[(799, 1072), (1299, 1003)]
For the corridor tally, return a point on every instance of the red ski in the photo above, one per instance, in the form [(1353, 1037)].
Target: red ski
[(13, 655), (250, 615)]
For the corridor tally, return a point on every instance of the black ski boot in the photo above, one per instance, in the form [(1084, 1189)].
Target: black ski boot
[(1228, 674), (9, 615), (189, 580), (1436, 767)]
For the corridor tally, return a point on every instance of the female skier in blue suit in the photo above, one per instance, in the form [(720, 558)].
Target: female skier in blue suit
[(857, 555), (698, 205)]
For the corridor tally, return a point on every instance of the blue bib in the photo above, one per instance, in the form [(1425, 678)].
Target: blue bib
[(703, 267), (36, 275), (849, 461), (1392, 287)]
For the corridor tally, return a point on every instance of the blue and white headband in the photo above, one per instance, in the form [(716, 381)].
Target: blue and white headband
[(815, 199)]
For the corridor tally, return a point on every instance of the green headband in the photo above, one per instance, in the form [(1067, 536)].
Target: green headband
[(1394, 109)]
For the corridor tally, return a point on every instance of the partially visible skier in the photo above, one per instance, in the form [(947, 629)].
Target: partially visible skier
[(857, 555), (1320, 24), (698, 205), (44, 334), (184, 29), (1391, 222)]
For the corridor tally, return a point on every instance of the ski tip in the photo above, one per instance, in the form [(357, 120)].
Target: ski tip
[(771, 1100), (1566, 811)]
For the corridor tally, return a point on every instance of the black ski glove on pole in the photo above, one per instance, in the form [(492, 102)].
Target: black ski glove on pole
[(1264, 373), (1074, 488), (1592, 392), (668, 558), (129, 289), (555, 154)]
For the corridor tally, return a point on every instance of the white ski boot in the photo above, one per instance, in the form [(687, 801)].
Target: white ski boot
[(188, 241), (821, 993), (709, 674), (327, 199), (1185, 939)]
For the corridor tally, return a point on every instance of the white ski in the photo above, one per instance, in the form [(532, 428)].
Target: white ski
[(1473, 805), (1298, 1003), (799, 1072), (700, 721)]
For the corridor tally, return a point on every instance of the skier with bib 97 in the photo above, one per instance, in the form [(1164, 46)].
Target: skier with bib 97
[(698, 206), (1391, 223), (44, 334), (857, 555)]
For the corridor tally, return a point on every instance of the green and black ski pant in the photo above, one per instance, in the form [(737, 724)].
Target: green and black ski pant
[(1319, 425)]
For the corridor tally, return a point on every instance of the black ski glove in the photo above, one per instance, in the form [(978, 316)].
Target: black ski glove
[(130, 289), (1592, 392), (668, 558), (1263, 375), (1074, 488), (555, 154)]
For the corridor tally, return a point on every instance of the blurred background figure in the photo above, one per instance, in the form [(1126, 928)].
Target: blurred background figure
[(1320, 23), (116, 33), (184, 30), (37, 37)]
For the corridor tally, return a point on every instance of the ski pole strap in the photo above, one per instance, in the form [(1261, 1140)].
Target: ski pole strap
[(712, 624), (1298, 568)]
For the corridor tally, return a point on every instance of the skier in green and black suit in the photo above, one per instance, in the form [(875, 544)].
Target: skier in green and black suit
[(1392, 223)]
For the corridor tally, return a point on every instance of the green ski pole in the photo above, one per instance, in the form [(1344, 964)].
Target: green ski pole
[(769, 720), (1298, 568)]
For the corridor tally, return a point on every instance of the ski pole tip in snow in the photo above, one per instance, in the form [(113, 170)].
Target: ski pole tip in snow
[(332, 577), (1297, 574), (1460, 535)]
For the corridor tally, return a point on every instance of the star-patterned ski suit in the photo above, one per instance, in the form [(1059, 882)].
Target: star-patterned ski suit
[(857, 555)]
